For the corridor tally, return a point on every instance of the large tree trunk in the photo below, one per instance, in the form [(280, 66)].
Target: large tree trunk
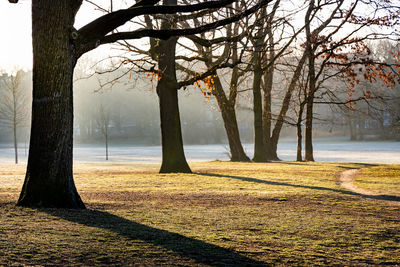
[(230, 123), (49, 181), (173, 156)]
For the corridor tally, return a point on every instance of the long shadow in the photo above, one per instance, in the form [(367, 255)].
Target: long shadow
[(342, 191), (301, 163), (200, 251), (361, 165)]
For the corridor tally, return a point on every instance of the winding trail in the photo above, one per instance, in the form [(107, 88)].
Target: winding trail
[(346, 180)]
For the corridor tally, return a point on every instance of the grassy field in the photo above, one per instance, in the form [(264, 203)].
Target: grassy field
[(224, 214), (381, 179)]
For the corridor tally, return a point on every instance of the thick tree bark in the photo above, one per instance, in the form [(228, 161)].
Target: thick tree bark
[(173, 155), (49, 181), (227, 109)]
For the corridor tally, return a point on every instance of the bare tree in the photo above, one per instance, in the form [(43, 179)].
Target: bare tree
[(326, 41), (14, 105), (219, 53)]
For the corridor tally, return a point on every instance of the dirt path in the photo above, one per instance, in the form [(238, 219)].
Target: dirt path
[(346, 180)]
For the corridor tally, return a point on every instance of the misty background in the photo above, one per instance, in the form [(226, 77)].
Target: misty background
[(127, 104)]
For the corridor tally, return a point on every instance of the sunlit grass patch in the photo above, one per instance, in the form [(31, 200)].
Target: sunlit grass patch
[(382, 179)]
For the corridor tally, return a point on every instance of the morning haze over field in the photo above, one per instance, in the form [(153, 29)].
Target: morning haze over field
[(199, 133)]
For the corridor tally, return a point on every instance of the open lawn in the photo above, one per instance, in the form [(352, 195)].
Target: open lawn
[(382, 179), (224, 214)]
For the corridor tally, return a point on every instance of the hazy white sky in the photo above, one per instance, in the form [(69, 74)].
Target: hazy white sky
[(16, 40), (15, 29)]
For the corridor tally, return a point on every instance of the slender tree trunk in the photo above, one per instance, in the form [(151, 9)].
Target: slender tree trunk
[(173, 156), (15, 143), (259, 144), (309, 153), (353, 134), (270, 152), (232, 132), (106, 135), (15, 127), (49, 180), (270, 146), (227, 109), (284, 109), (309, 156), (299, 156), (91, 128), (267, 115), (310, 52), (361, 128)]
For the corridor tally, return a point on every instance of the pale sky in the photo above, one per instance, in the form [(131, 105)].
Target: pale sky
[(15, 29)]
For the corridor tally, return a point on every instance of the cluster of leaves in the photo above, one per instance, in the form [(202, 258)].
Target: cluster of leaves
[(154, 76), (356, 62), (208, 86)]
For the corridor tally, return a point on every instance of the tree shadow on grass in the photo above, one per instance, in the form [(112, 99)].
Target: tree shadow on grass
[(361, 165), (200, 251), (341, 191)]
